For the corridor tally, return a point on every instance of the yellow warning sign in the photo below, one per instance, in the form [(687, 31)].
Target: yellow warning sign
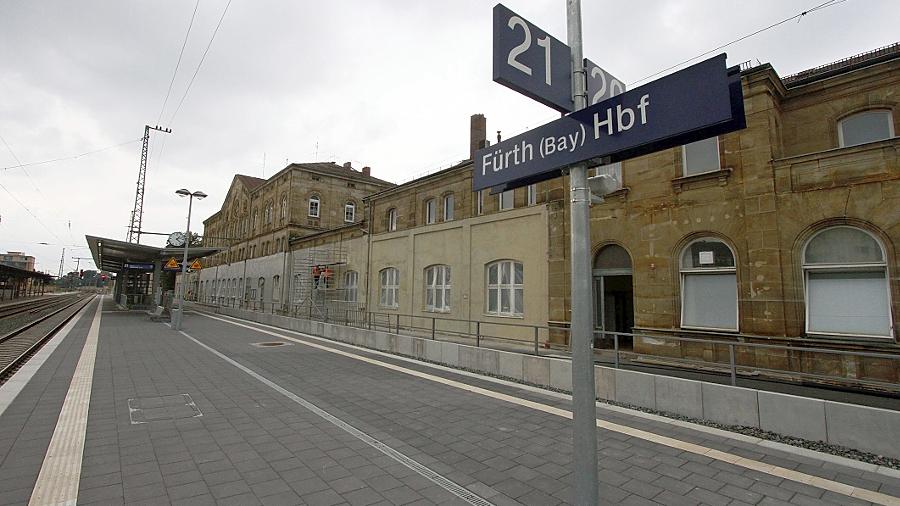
[(172, 263), (196, 265)]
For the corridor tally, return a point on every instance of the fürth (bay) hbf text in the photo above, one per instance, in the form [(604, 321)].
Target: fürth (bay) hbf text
[(611, 121)]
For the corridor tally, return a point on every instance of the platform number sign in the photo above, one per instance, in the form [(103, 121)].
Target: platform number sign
[(531, 61), (601, 85)]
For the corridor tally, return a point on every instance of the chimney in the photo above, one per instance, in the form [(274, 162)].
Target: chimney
[(367, 171), (347, 165), (477, 134)]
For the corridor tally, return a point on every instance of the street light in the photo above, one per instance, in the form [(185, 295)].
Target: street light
[(179, 314)]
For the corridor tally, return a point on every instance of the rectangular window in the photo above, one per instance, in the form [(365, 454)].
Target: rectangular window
[(390, 287), (351, 278), (314, 207), (430, 211), (505, 288), (532, 194), (505, 199), (613, 170), (437, 288), (392, 220), (479, 202), (349, 213), (448, 207), (701, 156)]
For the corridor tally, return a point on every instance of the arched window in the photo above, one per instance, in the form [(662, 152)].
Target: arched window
[(846, 284), (351, 280), (314, 206), (430, 211), (261, 284), (349, 212), (448, 207), (708, 285), (284, 207), (437, 288), (391, 219), (505, 288), (390, 287), (276, 288), (867, 126)]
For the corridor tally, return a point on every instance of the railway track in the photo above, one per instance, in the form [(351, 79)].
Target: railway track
[(19, 344), (35, 306)]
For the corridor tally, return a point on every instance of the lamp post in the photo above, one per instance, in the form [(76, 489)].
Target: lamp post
[(179, 314)]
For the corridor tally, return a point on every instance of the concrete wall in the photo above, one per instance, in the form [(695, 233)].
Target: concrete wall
[(864, 428)]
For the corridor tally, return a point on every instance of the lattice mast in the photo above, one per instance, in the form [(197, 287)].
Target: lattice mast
[(137, 214)]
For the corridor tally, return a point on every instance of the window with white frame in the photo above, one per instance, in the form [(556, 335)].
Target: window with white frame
[(390, 287), (448, 207), (505, 199), (846, 284), (532, 195), (613, 170), (351, 281), (867, 126), (701, 156), (708, 286), (505, 288), (479, 202), (349, 212), (314, 206), (437, 288), (430, 211), (392, 219)]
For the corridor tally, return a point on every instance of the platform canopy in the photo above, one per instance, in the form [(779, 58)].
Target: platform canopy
[(112, 255), (10, 272)]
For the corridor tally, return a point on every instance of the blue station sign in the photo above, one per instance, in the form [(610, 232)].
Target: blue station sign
[(537, 65), (695, 103), (139, 266), (531, 61)]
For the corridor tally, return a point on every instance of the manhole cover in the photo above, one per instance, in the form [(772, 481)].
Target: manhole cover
[(167, 407), (271, 344)]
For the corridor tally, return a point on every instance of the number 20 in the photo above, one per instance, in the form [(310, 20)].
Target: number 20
[(524, 46)]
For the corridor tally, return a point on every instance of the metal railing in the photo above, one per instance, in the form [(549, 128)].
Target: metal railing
[(799, 362)]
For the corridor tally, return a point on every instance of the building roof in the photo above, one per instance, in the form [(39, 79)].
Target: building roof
[(249, 181), (333, 169), (425, 178), (842, 66)]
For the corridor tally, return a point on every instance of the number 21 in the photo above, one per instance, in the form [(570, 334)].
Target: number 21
[(524, 46)]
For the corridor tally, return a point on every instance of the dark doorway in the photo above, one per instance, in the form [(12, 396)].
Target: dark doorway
[(613, 293)]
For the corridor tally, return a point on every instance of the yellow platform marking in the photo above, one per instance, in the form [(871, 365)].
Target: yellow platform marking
[(781, 472), (58, 480)]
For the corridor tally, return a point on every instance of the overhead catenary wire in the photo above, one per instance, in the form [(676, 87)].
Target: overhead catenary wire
[(72, 157), (178, 63), (824, 5), (200, 64)]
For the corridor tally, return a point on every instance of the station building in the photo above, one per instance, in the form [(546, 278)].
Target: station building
[(784, 232)]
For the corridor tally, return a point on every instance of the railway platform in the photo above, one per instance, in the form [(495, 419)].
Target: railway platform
[(119, 409)]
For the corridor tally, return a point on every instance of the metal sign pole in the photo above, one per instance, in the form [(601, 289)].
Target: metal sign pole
[(584, 411)]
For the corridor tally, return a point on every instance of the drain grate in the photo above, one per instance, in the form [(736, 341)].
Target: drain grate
[(166, 407), (271, 344)]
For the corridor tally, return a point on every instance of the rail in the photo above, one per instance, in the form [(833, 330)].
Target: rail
[(716, 356)]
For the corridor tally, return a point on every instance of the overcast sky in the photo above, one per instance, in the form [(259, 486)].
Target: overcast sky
[(389, 84)]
